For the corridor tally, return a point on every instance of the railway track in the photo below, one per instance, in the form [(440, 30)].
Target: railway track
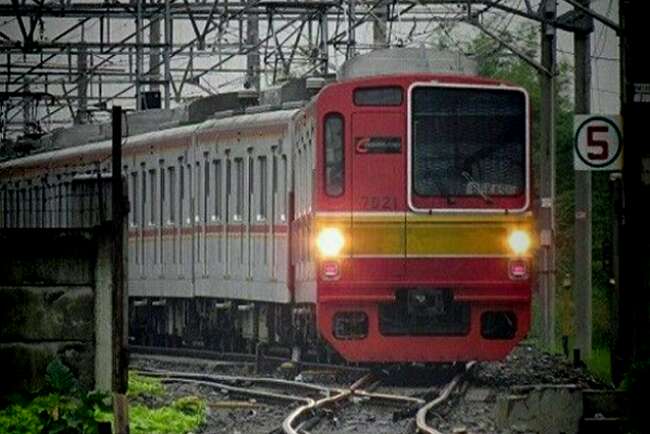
[(259, 358), (310, 402), (421, 416)]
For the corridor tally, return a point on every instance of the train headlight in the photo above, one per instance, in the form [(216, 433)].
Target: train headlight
[(330, 242), (519, 242)]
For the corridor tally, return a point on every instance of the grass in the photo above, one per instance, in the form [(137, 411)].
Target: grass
[(140, 386), (180, 416), (600, 365)]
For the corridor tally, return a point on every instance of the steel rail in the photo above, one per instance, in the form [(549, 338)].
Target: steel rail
[(139, 351), (260, 394), (238, 378), (421, 416), (300, 412)]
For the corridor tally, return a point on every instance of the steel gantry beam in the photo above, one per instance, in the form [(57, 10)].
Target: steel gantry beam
[(186, 48)]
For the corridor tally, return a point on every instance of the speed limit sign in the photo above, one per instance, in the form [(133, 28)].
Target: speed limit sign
[(598, 143)]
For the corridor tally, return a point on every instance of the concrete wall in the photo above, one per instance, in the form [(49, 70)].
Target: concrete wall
[(55, 295)]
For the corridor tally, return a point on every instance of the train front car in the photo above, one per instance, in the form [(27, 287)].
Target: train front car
[(422, 222)]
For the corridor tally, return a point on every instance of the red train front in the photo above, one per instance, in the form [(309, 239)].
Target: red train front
[(419, 218)]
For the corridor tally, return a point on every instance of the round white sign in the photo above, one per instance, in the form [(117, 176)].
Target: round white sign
[(598, 143)]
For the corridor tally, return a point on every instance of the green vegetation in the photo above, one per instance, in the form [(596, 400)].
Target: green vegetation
[(139, 386), (497, 62), (63, 407), (182, 416)]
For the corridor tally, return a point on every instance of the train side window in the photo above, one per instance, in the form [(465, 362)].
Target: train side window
[(198, 191), (206, 188), (163, 194), (239, 188), (217, 189), (334, 155), (274, 187), (189, 179), (134, 198), (285, 189), (378, 96), (251, 187), (171, 175), (181, 189), (152, 197), (263, 189), (143, 192)]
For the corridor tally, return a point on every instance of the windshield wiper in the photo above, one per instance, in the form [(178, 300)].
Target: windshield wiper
[(471, 181)]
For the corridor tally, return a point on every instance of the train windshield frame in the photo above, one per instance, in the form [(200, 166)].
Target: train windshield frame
[(468, 148)]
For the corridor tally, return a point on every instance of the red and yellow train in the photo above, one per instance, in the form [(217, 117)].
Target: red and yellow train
[(388, 216)]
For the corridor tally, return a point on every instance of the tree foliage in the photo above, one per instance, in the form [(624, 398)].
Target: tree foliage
[(497, 61)]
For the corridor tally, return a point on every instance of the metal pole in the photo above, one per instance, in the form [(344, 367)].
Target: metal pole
[(82, 87), (253, 57), (154, 54), (582, 253), (323, 47), (139, 60), (547, 177), (352, 39), (120, 357), (379, 25), (166, 51)]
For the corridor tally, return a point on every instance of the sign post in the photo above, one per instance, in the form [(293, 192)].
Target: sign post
[(597, 146)]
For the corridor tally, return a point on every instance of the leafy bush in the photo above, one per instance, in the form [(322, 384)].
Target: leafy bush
[(64, 408)]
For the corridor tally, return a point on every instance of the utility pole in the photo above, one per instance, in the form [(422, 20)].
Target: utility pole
[(547, 175), (253, 57), (120, 329), (380, 17), (323, 48), (139, 56), (154, 54), (169, 42), (582, 249), (635, 244), (82, 82)]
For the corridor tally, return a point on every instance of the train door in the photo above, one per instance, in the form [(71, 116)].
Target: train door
[(378, 219)]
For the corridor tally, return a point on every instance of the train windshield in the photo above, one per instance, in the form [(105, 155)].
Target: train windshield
[(468, 142)]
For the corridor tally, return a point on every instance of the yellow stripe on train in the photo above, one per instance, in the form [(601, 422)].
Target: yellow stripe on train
[(399, 234)]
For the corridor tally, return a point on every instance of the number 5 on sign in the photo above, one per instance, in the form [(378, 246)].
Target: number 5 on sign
[(598, 142)]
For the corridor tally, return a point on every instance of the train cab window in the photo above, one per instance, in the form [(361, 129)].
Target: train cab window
[(334, 155), (378, 96)]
